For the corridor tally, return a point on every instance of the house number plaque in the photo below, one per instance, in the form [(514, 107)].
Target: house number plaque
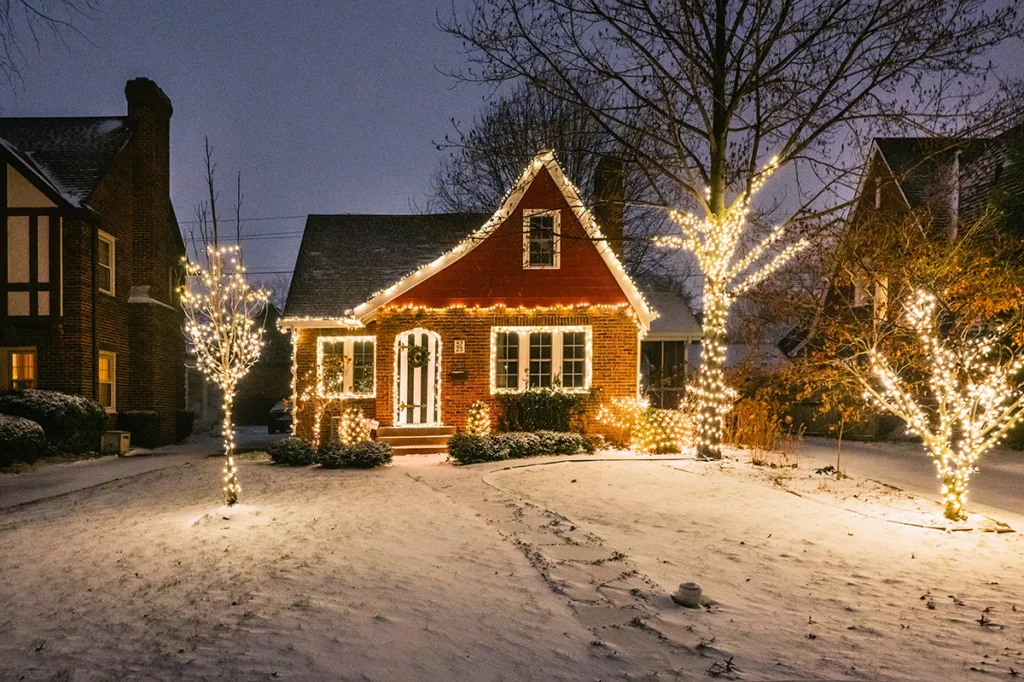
[(460, 345)]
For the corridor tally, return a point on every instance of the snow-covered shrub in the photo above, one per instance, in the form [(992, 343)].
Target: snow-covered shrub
[(539, 409), (21, 440), (72, 423), (467, 449), (561, 442), (369, 454), (183, 423), (593, 442), (516, 445), (332, 454), (292, 452), (143, 425)]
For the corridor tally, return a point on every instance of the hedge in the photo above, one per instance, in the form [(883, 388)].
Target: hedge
[(367, 454), (541, 409), (143, 425), (467, 449), (72, 424), (21, 440), (292, 452)]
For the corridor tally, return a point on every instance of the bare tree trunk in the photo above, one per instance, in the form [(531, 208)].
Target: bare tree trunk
[(839, 449)]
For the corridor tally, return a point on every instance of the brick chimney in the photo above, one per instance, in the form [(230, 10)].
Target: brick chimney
[(608, 205), (149, 114)]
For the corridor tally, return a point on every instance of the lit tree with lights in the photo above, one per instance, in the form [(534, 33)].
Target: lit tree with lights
[(974, 396), (221, 317)]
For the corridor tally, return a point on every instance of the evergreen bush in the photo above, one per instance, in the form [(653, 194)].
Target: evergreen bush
[(292, 452), (369, 454), (21, 440), (73, 424), (540, 409), (469, 449), (143, 425)]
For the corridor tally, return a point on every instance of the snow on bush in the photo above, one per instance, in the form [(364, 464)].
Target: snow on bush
[(72, 423), (470, 449), (21, 440), (292, 452), (364, 455)]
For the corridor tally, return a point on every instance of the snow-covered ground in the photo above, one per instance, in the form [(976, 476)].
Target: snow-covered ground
[(529, 570)]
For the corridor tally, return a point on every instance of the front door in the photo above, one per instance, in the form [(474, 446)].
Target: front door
[(418, 378)]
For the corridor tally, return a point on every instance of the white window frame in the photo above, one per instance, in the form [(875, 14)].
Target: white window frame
[(5, 381), (112, 242), (349, 354), (556, 261), (556, 332), (110, 355)]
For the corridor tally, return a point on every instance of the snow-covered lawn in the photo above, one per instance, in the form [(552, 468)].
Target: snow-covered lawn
[(519, 571)]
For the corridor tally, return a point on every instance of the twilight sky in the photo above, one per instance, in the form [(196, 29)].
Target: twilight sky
[(324, 106)]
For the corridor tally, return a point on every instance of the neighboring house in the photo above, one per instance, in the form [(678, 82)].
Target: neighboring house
[(92, 257), (431, 313), (670, 352)]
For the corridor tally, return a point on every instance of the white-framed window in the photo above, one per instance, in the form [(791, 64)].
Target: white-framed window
[(106, 379), (105, 263), (20, 368), (541, 357), (346, 366), (541, 238)]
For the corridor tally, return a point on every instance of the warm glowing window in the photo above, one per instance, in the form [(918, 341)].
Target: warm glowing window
[(105, 263), (106, 376), (21, 369), (540, 357), (346, 366), (540, 239)]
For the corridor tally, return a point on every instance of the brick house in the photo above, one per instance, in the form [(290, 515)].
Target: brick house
[(92, 258), (432, 313)]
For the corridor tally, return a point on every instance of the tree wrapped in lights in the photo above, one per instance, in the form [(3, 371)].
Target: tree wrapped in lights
[(221, 313), (715, 241), (478, 420), (973, 398)]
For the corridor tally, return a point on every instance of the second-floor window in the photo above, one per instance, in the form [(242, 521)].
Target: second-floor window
[(541, 238), (28, 265), (105, 259)]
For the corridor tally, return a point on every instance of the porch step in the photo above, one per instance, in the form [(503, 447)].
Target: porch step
[(416, 440)]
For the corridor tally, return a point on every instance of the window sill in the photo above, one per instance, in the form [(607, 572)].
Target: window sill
[(542, 267), (107, 293), (575, 391)]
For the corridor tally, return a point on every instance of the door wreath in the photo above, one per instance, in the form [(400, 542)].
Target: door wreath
[(419, 355)]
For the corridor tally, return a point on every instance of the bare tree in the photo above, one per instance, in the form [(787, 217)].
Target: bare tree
[(31, 21), (702, 94)]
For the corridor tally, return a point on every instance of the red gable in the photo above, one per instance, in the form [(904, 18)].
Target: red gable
[(493, 273)]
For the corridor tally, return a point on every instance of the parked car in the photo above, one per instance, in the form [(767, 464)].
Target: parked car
[(280, 418)]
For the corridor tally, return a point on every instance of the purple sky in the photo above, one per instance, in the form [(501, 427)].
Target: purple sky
[(326, 106)]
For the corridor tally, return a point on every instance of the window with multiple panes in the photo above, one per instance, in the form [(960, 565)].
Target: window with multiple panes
[(346, 366), (506, 359), (28, 265), (21, 368), (552, 357), (106, 376), (105, 258), (540, 239)]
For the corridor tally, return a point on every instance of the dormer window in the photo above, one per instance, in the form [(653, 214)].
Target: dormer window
[(541, 230)]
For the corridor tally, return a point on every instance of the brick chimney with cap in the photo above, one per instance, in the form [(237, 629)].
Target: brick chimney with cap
[(608, 201)]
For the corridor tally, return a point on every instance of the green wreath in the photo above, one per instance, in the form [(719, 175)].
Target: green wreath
[(419, 355)]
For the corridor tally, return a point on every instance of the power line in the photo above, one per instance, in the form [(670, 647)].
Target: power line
[(259, 235), (248, 220)]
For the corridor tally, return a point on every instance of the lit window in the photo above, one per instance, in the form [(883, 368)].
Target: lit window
[(540, 239), (346, 366), (107, 380), (507, 360), (105, 263), (21, 369), (540, 359), (574, 346)]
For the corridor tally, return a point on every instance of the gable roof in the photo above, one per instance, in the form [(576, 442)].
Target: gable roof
[(675, 322), (545, 160), (344, 259), (70, 154)]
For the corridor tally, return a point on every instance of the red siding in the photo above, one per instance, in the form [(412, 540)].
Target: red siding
[(493, 274)]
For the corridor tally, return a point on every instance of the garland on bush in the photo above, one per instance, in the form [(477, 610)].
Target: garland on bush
[(478, 421), (353, 427)]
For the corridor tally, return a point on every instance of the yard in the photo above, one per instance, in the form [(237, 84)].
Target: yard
[(510, 571)]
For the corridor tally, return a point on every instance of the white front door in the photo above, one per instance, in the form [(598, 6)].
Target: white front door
[(418, 378)]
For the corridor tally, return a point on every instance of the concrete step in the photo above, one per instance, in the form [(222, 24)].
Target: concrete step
[(419, 449), (415, 431)]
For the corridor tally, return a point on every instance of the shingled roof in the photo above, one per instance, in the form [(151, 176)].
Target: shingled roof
[(345, 259), (71, 154)]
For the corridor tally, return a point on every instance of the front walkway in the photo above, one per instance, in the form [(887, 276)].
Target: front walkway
[(61, 479)]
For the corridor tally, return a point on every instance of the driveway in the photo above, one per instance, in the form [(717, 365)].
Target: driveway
[(999, 484), (61, 479)]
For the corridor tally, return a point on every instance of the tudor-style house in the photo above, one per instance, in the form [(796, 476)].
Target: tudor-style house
[(91, 256), (414, 318)]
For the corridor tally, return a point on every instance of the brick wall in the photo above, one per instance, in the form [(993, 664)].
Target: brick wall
[(615, 353)]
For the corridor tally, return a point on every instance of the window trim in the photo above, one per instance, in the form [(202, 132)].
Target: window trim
[(112, 356), (349, 353), (556, 331), (6, 358), (112, 241), (556, 261)]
